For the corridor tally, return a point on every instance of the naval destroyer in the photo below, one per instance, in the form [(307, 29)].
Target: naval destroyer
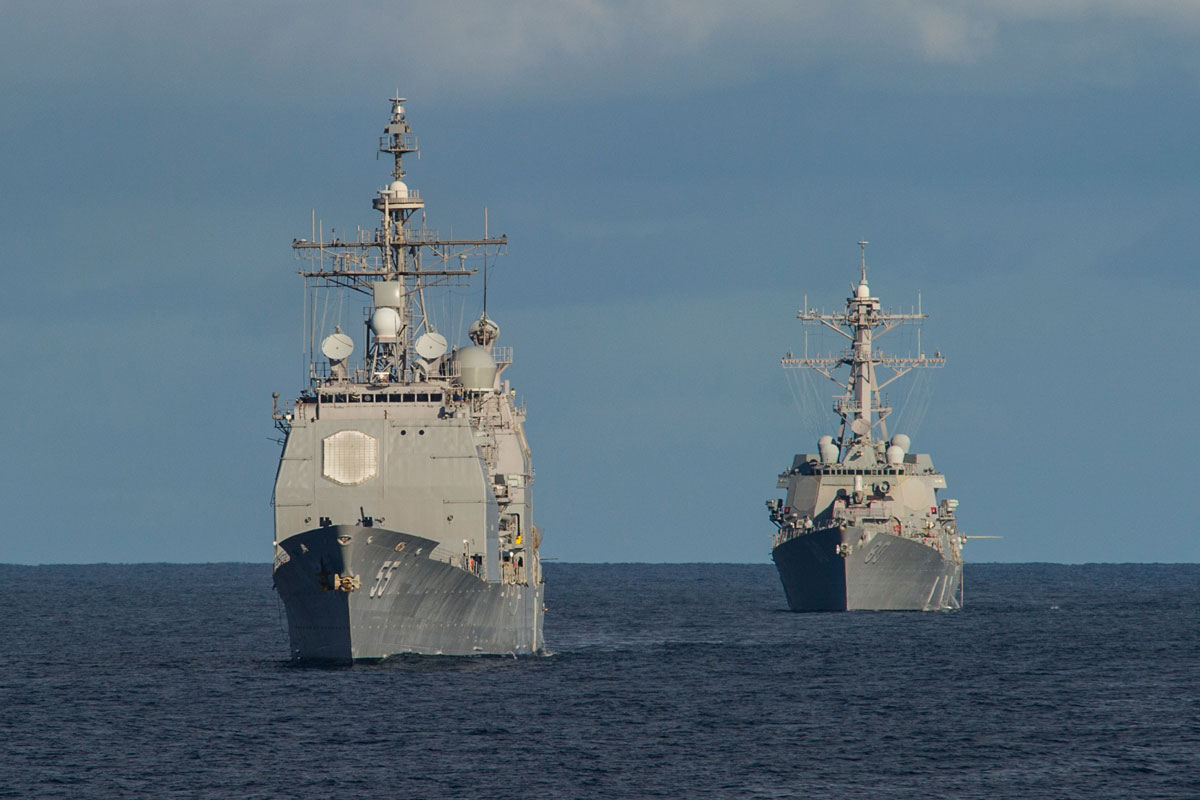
[(861, 526), (403, 506)]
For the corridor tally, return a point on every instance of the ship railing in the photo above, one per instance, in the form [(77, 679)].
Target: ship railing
[(405, 142), (405, 196), (418, 235), (281, 413), (320, 372), (788, 533), (512, 572), (449, 367), (845, 406)]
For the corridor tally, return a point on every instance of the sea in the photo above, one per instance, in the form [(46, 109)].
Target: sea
[(662, 680)]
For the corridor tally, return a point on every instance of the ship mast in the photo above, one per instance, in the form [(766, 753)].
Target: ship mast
[(388, 265), (401, 262), (862, 408)]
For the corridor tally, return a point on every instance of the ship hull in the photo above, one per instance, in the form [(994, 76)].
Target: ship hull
[(400, 600), (878, 573)]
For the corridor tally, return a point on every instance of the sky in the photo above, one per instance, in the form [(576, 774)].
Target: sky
[(674, 179)]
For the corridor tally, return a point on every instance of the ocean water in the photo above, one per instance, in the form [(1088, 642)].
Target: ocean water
[(679, 681)]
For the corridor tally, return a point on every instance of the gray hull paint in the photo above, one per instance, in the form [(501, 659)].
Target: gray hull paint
[(406, 603), (886, 573)]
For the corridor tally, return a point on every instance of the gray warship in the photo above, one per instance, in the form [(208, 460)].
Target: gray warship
[(402, 501), (861, 526)]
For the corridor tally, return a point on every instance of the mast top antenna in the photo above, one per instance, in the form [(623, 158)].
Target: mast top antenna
[(863, 245)]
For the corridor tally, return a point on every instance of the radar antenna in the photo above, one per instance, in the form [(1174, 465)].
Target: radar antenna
[(394, 265), (862, 407), (485, 233)]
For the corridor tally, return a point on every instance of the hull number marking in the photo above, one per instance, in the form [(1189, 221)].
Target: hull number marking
[(876, 551), (383, 577)]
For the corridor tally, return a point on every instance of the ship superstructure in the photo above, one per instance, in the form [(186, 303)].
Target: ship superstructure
[(861, 526), (403, 504)]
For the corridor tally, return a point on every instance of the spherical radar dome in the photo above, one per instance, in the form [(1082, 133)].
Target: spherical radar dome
[(476, 368), (385, 323), (483, 331)]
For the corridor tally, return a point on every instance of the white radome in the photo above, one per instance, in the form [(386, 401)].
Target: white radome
[(385, 323), (476, 368)]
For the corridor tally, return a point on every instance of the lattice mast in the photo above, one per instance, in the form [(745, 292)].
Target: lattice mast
[(863, 407), (391, 258)]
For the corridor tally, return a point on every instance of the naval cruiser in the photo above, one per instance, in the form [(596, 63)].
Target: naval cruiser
[(403, 505), (861, 526)]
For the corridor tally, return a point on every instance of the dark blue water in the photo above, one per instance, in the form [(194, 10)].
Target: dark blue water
[(668, 681)]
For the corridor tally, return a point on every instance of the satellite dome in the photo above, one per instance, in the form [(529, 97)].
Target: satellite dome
[(895, 455), (476, 368), (398, 189), (901, 441), (864, 291), (385, 324), (483, 331)]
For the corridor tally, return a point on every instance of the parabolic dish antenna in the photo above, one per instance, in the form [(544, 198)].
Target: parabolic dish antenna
[(430, 345), (860, 426), (337, 346)]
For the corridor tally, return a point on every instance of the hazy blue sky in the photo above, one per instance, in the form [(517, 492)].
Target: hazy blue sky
[(674, 178)]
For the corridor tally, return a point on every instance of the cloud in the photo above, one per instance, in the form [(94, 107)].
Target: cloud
[(951, 37), (538, 46), (527, 48)]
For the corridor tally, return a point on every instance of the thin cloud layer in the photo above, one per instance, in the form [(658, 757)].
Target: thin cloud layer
[(538, 47)]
